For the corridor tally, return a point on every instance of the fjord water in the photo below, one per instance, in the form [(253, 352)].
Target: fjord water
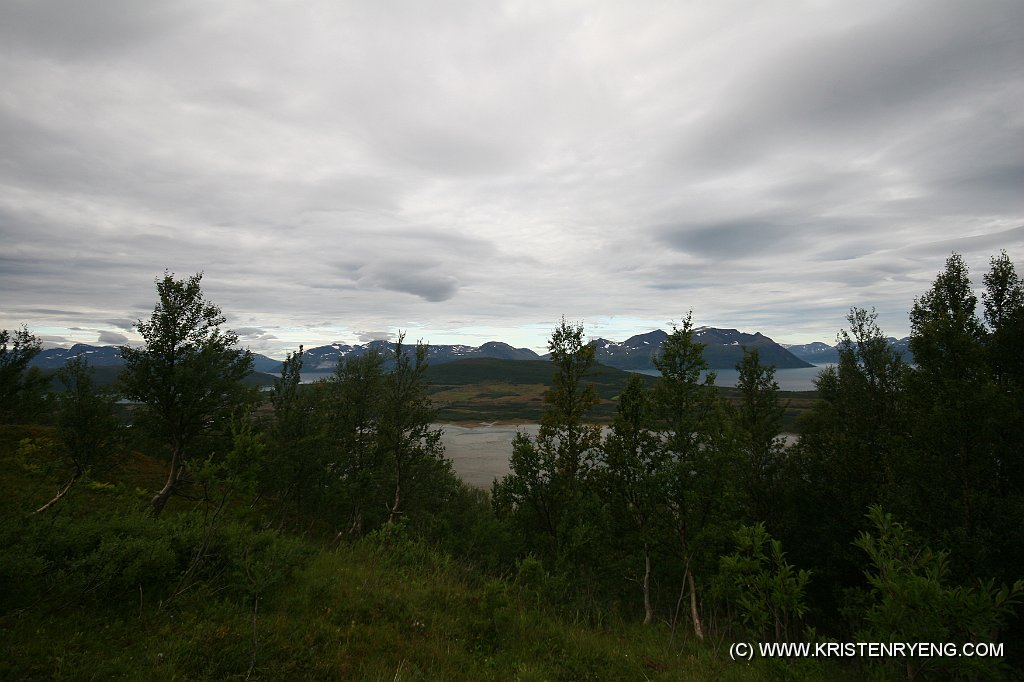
[(480, 453), (798, 379)]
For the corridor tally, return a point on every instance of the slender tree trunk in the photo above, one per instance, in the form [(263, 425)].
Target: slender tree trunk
[(648, 611), (698, 627), (356, 529), (396, 507), (173, 478), (61, 493)]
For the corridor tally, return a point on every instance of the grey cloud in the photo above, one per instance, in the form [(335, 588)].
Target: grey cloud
[(70, 314), (857, 89), (456, 152), (670, 285), (112, 338), (730, 239), (249, 331), (975, 243), (996, 188), (348, 163), (73, 30), (52, 339), (366, 337), (431, 286)]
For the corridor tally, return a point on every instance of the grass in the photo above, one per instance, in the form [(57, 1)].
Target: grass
[(273, 606), (353, 613)]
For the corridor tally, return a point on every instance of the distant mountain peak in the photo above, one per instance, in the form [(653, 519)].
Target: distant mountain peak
[(723, 349), (821, 353)]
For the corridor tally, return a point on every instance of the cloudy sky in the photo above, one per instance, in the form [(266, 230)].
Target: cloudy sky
[(470, 171)]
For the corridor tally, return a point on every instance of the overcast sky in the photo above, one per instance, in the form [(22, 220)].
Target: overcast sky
[(472, 171)]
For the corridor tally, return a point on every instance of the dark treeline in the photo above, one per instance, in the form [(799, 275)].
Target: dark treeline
[(897, 516)]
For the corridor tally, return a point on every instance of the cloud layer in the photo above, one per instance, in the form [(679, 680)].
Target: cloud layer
[(472, 171)]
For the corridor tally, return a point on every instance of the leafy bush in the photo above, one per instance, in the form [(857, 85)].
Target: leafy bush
[(765, 589), (105, 556), (911, 601)]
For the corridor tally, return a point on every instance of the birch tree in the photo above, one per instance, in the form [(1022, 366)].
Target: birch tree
[(86, 422), (406, 440), (699, 459), (635, 477), (187, 376), (547, 471)]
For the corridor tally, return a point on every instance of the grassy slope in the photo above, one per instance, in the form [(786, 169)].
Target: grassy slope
[(383, 608)]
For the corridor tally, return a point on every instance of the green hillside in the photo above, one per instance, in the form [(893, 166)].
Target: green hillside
[(484, 389), (100, 590), (106, 375)]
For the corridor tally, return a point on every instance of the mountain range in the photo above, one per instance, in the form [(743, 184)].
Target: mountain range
[(723, 350), (325, 358), (819, 353)]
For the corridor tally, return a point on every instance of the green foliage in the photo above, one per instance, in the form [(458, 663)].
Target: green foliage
[(764, 588), (354, 405), (90, 589), (634, 479), (106, 557), (759, 419), (702, 461), (563, 434), (540, 495), (527, 498), (86, 419), (410, 449), (358, 450), (493, 619), (188, 377), (965, 425), (851, 454), (21, 386), (238, 472), (1004, 312), (87, 425), (684, 401), (946, 333), (854, 434), (911, 600), (541, 580), (297, 456), (31, 451)]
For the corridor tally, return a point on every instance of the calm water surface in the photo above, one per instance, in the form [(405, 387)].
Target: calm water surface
[(799, 379)]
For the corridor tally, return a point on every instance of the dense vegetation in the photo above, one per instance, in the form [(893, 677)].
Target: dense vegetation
[(318, 531)]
